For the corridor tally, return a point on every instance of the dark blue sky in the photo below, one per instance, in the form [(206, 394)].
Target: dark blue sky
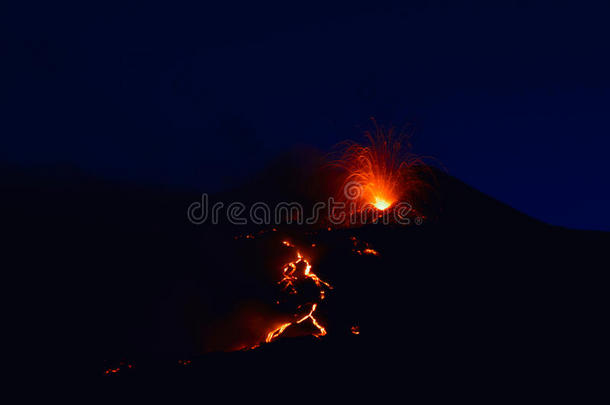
[(513, 99)]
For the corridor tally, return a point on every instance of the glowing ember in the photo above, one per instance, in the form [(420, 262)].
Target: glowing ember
[(116, 370), (293, 272), (362, 247), (355, 330)]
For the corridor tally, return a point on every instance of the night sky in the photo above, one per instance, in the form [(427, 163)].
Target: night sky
[(513, 99)]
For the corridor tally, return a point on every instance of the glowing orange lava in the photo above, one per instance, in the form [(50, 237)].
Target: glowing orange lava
[(276, 332), (362, 247), (296, 270), (290, 273), (379, 174), (381, 204), (314, 321)]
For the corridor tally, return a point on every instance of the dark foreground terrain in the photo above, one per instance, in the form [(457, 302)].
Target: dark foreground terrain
[(480, 300)]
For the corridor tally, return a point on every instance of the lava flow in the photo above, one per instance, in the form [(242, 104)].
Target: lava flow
[(294, 272)]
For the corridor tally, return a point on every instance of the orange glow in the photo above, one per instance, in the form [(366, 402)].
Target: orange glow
[(117, 369), (381, 204), (292, 272), (380, 173), (314, 321), (362, 247), (355, 330), (290, 269), (276, 332)]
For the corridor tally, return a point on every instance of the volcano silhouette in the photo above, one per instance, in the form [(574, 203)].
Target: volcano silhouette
[(482, 296)]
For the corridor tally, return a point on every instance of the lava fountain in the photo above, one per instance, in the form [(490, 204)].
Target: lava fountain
[(380, 173)]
